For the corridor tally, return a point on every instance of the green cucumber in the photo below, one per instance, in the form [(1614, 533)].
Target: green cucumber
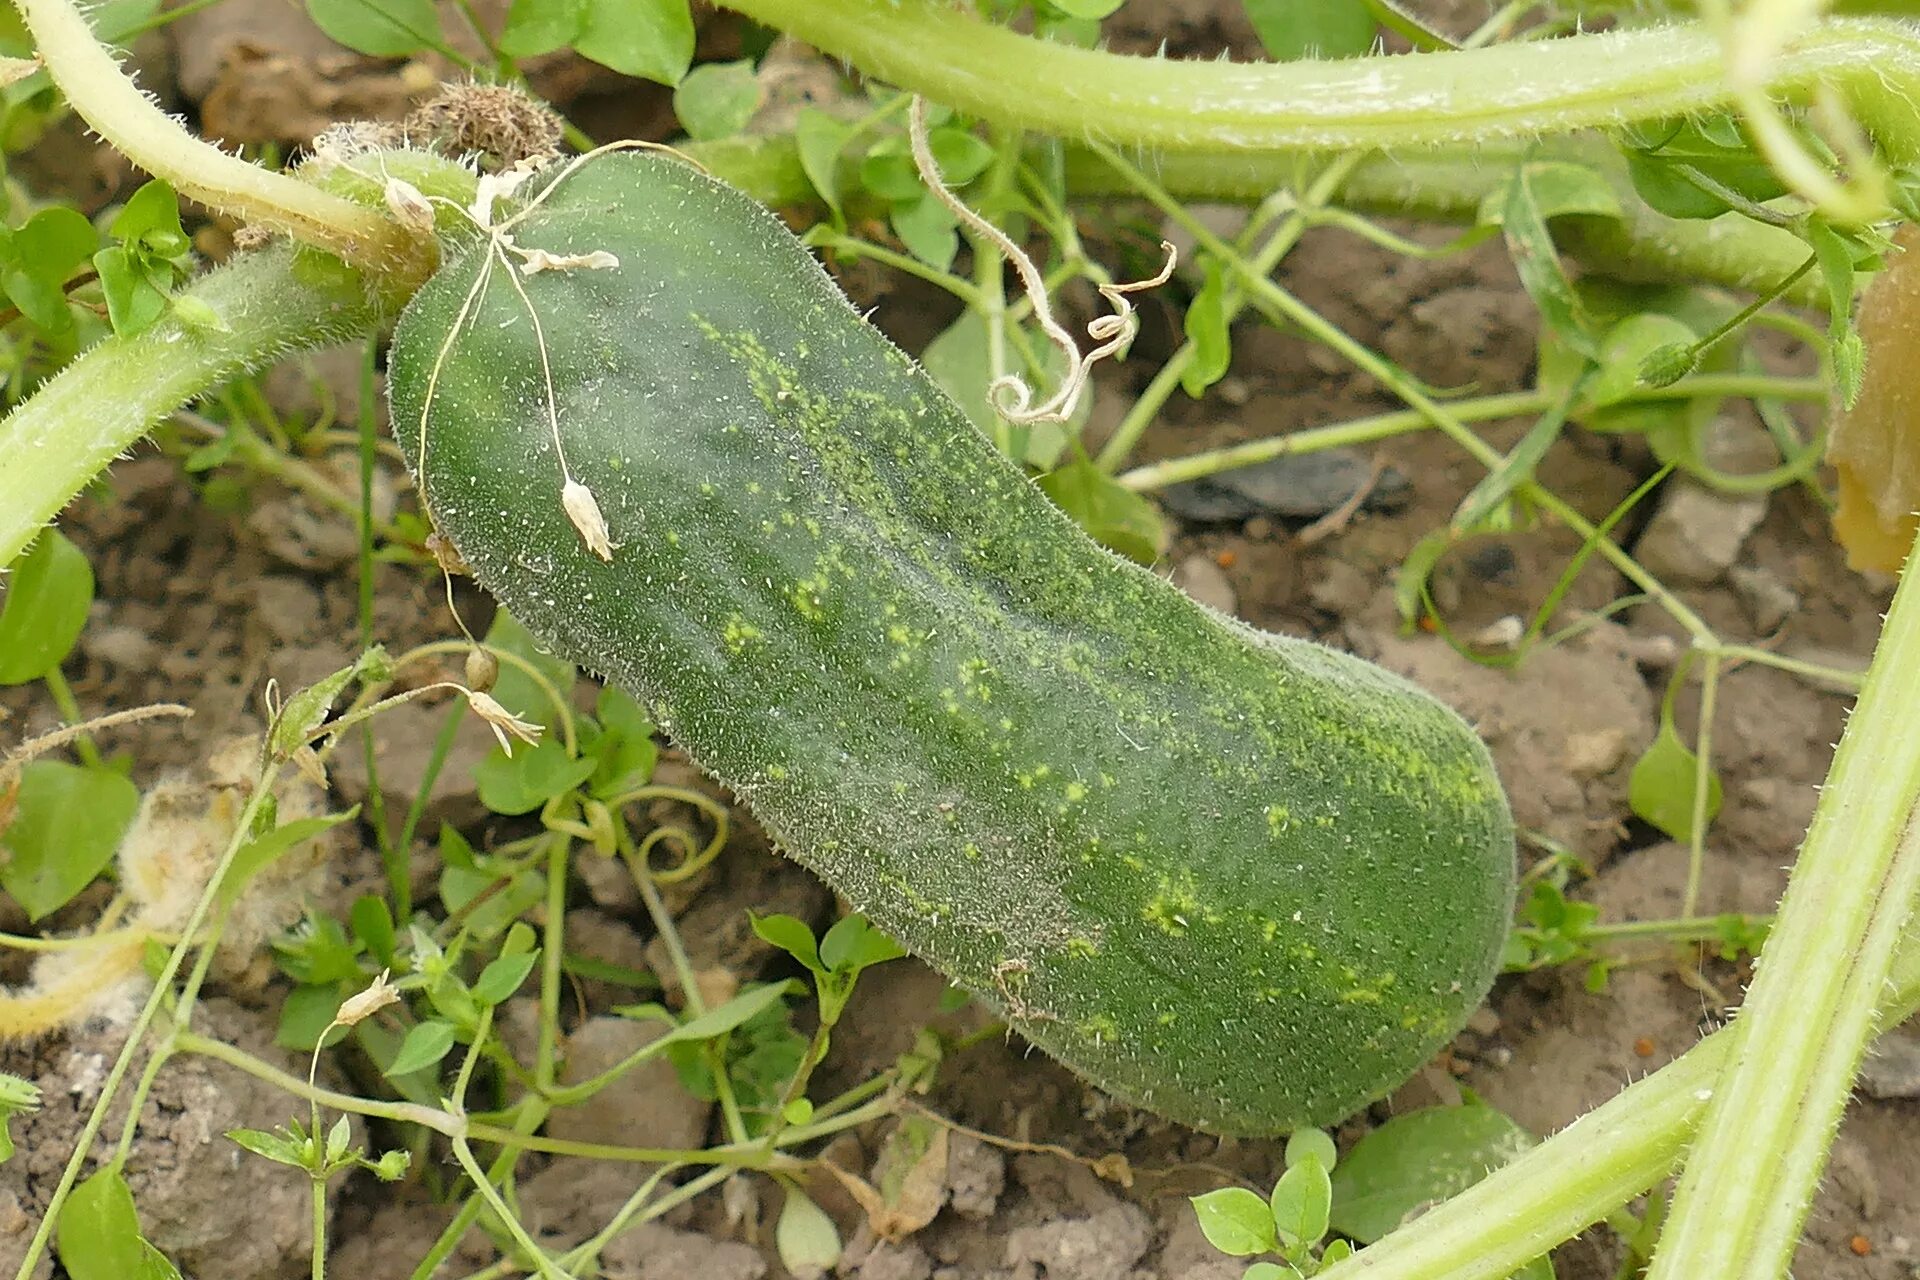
[(1243, 881)]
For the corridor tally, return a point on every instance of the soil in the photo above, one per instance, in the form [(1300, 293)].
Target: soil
[(204, 606)]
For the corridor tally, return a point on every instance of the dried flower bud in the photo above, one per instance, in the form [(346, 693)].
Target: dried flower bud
[(358, 1008), (408, 207), (584, 510), (483, 669)]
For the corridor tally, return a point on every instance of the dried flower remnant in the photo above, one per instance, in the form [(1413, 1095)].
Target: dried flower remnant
[(1875, 446)]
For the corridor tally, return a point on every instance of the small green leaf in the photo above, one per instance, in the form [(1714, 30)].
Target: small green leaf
[(1626, 351), (797, 1112), (337, 1139), (1295, 29), (502, 977), (1270, 1271), (391, 1166), (852, 944), (821, 138), (1661, 787), (99, 1232), (717, 1022), (307, 709), (626, 752), (1301, 1201), (379, 28), (1206, 329), (425, 1045), (461, 887), (372, 922), (807, 1240), (716, 99), (960, 155), (1089, 10), (1559, 189), (257, 855), (527, 779), (306, 1014), (1531, 247), (927, 228), (534, 27), (44, 609), (1116, 516), (1415, 1160), (148, 224), (44, 252), (649, 39), (68, 821), (791, 936), (272, 1146), (1236, 1221), (1312, 1142), (17, 1096)]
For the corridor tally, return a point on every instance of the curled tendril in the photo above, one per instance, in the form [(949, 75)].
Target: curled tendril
[(694, 856), (1009, 394)]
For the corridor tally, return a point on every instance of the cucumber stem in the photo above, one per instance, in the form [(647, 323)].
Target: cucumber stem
[(115, 108), (1414, 101), (1811, 1009), (92, 411)]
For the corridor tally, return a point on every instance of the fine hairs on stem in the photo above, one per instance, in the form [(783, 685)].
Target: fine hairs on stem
[(1009, 393)]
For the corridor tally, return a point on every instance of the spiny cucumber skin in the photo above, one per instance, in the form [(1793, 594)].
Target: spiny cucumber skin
[(1243, 881)]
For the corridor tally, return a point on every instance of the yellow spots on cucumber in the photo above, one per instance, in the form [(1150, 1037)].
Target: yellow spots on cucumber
[(777, 772), (739, 634), (972, 852), (1279, 818), (1076, 791), (1100, 1029), (809, 597), (1082, 948), (1033, 777)]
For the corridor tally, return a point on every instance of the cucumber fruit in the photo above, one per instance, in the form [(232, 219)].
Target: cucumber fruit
[(1246, 882)]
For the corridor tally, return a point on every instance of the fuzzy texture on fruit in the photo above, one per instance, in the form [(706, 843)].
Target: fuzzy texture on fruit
[(1243, 881)]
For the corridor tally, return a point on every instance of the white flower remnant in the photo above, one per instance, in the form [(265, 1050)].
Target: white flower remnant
[(408, 207), (363, 1005), (584, 511), (502, 721), (537, 260)]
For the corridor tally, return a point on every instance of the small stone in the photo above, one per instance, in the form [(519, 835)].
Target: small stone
[(976, 1175), (1697, 534), (1099, 1247), (1769, 601), (1588, 755), (1202, 579), (1233, 390), (1483, 1022), (1294, 486), (1891, 1068)]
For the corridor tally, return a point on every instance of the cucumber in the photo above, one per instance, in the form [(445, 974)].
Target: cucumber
[(1246, 882)]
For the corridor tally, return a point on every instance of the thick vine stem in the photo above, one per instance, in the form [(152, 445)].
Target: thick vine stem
[(115, 108), (1810, 1011), (1593, 1166), (1404, 103), (68, 432)]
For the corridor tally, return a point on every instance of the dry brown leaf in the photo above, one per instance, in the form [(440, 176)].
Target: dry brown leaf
[(911, 1178)]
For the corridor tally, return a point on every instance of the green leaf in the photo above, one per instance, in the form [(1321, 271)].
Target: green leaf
[(852, 944), (1236, 1221), (888, 172), (716, 1022), (379, 28), (44, 609), (503, 977), (99, 1231), (1206, 329), (961, 156), (305, 1015), (43, 253), (1116, 516), (1315, 1143), (1661, 787), (307, 709), (257, 855), (807, 1240), (958, 359), (372, 922), (926, 227), (650, 39), (425, 1045), (1559, 189), (68, 821), (461, 887), (1515, 469), (716, 99), (821, 138), (1090, 10), (148, 224), (534, 27), (1270, 1271), (271, 1146), (1626, 351), (527, 779), (1295, 29), (16, 1096), (1531, 247), (626, 753), (791, 936), (1301, 1200), (1416, 1160)]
